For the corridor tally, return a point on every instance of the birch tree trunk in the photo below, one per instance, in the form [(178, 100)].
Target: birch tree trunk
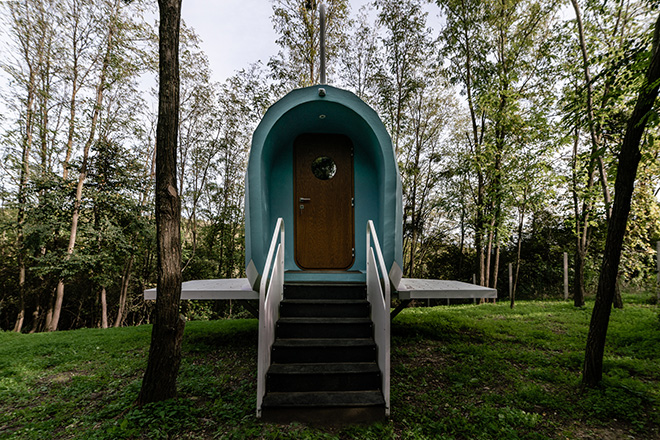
[(104, 308), (123, 294), (581, 230)]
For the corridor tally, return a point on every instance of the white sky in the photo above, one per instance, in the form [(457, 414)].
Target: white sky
[(237, 33), (234, 33)]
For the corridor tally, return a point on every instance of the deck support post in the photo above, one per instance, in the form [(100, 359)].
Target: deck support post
[(404, 303), (249, 307)]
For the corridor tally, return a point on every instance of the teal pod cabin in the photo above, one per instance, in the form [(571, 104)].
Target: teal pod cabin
[(322, 160)]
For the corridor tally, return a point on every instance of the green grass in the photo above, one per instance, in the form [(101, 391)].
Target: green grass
[(460, 372)]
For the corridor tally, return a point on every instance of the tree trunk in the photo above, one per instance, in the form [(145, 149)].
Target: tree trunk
[(478, 244), (25, 169), (578, 284), (461, 245), (496, 265), (476, 140), (521, 222), (35, 319), (629, 158), (565, 276), (76, 84), (72, 115), (618, 301), (20, 318), (123, 294), (49, 312), (578, 281), (54, 320), (594, 129), (104, 308), (512, 292), (159, 381), (657, 263), (489, 252)]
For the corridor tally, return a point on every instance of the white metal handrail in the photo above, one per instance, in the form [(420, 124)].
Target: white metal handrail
[(378, 294), (270, 294)]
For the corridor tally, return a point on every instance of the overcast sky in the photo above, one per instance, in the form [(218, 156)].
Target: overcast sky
[(234, 33), (237, 33)]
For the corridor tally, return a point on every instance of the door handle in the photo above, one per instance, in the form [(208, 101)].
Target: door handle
[(305, 199)]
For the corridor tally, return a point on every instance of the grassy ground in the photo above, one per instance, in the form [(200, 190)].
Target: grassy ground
[(464, 372)]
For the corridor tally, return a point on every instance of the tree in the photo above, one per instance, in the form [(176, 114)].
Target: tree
[(629, 158), (359, 58), (116, 178), (297, 24), (243, 99), (159, 382), (24, 28), (532, 188), (605, 54), (405, 43), (198, 146), (521, 105), (84, 58), (638, 259), (96, 111), (466, 49), (416, 106), (499, 55)]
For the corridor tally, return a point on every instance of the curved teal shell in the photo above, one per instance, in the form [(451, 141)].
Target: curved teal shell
[(269, 178)]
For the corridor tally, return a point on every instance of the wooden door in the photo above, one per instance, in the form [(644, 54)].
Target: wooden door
[(323, 201)]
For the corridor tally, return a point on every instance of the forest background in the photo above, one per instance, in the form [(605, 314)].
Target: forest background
[(506, 120)]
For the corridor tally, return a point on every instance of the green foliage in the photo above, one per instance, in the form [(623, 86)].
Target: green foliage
[(483, 112), (296, 23), (161, 420), (486, 372), (638, 265)]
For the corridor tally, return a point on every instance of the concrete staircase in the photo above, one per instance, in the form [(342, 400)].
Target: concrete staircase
[(324, 366)]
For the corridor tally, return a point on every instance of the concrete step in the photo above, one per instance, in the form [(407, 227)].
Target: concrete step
[(324, 399), (353, 376), (325, 291), (339, 416), (323, 350), (324, 357), (339, 308), (322, 327)]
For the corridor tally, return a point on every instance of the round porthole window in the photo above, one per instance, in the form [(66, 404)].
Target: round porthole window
[(324, 168)]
